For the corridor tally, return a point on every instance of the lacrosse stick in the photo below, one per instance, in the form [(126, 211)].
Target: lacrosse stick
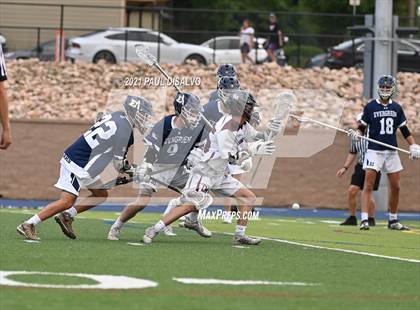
[(144, 54), (302, 119), (124, 180), (285, 101), (116, 182)]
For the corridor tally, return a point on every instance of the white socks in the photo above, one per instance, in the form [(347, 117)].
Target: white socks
[(240, 230), (34, 220), (193, 216), (118, 224), (393, 216), (159, 226), (72, 211), (364, 216)]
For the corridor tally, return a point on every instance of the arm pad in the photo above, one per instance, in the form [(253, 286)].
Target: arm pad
[(362, 128), (405, 131)]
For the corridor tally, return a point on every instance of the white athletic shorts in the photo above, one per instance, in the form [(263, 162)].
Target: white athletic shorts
[(224, 185), (385, 161), (176, 177), (69, 182)]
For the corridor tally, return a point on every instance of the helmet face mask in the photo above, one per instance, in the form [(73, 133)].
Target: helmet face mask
[(239, 103), (226, 84), (191, 116), (142, 122), (387, 86)]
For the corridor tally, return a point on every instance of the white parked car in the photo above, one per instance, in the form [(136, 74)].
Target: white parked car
[(225, 49), (111, 45)]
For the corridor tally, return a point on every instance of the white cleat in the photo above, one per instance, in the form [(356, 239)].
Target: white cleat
[(114, 234), (237, 240), (149, 234), (168, 231), (227, 218), (198, 227)]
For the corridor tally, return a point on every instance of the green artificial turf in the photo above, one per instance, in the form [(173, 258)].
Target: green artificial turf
[(343, 280)]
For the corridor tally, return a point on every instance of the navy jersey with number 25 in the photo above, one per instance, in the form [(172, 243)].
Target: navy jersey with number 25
[(383, 121)]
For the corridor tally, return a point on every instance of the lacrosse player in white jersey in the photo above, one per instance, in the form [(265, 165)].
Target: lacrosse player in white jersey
[(226, 145)]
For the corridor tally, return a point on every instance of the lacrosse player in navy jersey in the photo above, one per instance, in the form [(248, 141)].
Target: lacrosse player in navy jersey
[(106, 141), (169, 143), (382, 117), (210, 167), (223, 70)]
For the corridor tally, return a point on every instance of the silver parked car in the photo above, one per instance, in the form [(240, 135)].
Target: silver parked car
[(225, 49), (114, 45)]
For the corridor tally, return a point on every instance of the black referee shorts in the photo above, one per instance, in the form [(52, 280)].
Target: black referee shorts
[(358, 178)]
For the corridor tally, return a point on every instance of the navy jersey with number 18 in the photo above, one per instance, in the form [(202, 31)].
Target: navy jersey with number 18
[(383, 121)]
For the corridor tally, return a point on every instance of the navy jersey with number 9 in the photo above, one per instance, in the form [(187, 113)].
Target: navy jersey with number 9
[(383, 121)]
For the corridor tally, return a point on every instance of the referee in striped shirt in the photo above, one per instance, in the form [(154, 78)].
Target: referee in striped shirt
[(357, 150), (6, 136)]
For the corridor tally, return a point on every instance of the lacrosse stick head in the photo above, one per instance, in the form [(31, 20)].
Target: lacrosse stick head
[(285, 101), (144, 54)]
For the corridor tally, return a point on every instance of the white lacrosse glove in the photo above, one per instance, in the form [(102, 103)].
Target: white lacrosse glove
[(194, 157), (261, 147), (246, 164), (414, 151), (354, 135), (142, 173), (274, 127)]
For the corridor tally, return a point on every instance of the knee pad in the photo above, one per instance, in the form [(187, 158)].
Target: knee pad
[(199, 199)]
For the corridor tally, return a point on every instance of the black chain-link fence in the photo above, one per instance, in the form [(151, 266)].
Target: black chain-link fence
[(29, 26)]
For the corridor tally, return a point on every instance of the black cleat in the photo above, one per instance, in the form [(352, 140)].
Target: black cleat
[(364, 225), (350, 221), (371, 221), (395, 225)]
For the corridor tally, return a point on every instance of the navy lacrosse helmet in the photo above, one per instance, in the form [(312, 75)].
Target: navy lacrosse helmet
[(139, 112), (188, 106), (226, 70), (387, 86)]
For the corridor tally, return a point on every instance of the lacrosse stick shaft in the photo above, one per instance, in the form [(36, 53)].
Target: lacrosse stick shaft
[(175, 189), (166, 75), (306, 119), (206, 121)]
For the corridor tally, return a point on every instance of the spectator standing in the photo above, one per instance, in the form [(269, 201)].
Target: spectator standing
[(6, 136), (275, 38), (246, 40)]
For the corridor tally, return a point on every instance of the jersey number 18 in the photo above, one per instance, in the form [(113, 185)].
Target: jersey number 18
[(387, 126)]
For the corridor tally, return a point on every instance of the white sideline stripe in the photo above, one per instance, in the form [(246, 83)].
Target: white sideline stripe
[(241, 247), (240, 282), (135, 243), (411, 260), (31, 241)]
